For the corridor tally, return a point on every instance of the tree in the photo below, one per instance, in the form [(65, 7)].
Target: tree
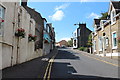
[(70, 43), (104, 16), (89, 43)]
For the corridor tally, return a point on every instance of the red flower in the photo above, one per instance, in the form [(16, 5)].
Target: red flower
[(30, 35), (119, 38), (22, 30), (2, 20), (18, 29), (35, 36)]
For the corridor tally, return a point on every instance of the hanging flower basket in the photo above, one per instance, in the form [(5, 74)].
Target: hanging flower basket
[(119, 40), (45, 41), (31, 37), (20, 33)]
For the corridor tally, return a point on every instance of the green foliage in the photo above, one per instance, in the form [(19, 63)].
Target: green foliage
[(104, 16), (70, 43), (83, 49), (89, 43)]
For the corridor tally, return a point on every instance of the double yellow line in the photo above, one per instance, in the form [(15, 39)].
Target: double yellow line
[(48, 69)]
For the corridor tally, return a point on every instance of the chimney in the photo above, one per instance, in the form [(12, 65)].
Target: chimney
[(83, 25), (24, 3)]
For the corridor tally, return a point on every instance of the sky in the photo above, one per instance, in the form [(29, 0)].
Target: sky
[(63, 15)]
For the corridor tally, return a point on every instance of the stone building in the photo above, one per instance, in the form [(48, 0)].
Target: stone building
[(21, 34), (107, 33), (47, 38), (80, 36), (39, 25), (7, 30)]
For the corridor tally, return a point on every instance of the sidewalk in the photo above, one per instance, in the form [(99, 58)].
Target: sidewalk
[(31, 69), (104, 59)]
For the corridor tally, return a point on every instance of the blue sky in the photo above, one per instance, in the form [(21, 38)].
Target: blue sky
[(63, 15)]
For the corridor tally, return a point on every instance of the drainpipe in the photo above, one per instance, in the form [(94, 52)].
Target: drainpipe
[(13, 35), (110, 40)]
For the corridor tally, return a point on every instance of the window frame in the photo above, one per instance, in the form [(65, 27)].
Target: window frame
[(3, 17), (114, 47), (95, 48), (100, 43), (113, 18)]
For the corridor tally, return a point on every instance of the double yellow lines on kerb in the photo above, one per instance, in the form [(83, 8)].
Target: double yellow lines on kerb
[(48, 69)]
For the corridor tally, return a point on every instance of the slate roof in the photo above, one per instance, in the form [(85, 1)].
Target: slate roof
[(97, 21), (116, 5), (34, 14)]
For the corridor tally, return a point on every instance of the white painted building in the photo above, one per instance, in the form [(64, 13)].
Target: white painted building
[(75, 40)]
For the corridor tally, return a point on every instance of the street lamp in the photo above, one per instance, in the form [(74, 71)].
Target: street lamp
[(77, 24)]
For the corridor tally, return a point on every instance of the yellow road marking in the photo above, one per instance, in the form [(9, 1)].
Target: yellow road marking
[(46, 72), (48, 69), (102, 60)]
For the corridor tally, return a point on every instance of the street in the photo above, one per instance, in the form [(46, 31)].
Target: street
[(68, 64), (63, 64)]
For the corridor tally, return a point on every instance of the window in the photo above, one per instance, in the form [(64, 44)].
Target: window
[(75, 34), (48, 29), (113, 19), (100, 43), (114, 40), (78, 32), (30, 27), (2, 14), (94, 47), (107, 41), (74, 42), (45, 24)]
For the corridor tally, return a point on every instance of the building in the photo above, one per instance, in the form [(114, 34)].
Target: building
[(107, 33), (62, 43), (21, 34), (14, 45), (7, 29), (46, 38), (80, 36), (38, 28), (52, 36)]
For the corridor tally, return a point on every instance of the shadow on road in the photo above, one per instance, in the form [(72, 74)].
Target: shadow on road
[(66, 55), (64, 71)]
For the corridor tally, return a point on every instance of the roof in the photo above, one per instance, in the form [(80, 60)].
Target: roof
[(97, 21), (34, 14), (116, 4)]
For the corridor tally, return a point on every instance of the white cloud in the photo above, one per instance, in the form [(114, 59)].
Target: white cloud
[(93, 15), (61, 7), (67, 39), (59, 14)]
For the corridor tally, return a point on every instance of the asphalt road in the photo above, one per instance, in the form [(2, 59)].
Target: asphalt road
[(62, 64), (70, 65)]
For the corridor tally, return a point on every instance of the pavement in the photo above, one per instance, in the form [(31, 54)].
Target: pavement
[(33, 69), (114, 62)]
